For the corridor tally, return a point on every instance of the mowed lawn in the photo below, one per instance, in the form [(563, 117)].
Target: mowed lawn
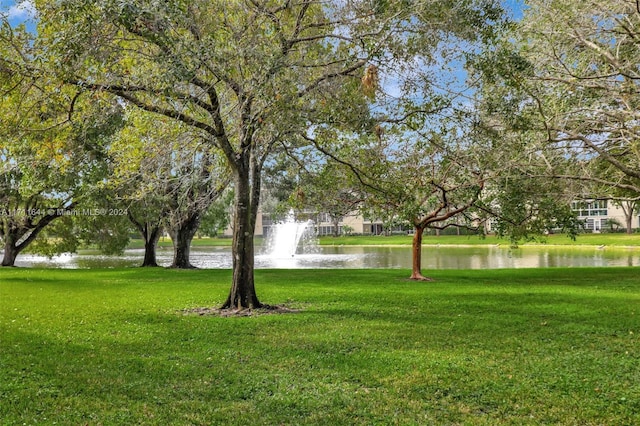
[(494, 347)]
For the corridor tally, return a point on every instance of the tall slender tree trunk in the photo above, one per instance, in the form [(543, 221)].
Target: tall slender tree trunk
[(247, 186), (151, 238), (182, 235), (336, 228), (416, 250)]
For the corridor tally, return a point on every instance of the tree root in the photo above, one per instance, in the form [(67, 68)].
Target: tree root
[(420, 278), (235, 312)]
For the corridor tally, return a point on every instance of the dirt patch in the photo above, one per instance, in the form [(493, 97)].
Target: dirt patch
[(264, 310)]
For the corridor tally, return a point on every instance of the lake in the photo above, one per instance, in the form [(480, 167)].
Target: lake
[(433, 257)]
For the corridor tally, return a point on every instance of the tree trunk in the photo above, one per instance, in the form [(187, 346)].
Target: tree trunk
[(628, 208), (151, 238), (10, 251), (416, 271), (336, 228), (629, 222), (243, 293), (14, 235), (182, 236), (150, 232)]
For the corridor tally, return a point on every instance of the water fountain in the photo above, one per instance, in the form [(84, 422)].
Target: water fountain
[(290, 238)]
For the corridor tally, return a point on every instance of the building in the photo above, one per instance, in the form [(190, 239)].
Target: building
[(602, 215), (596, 215), (353, 223)]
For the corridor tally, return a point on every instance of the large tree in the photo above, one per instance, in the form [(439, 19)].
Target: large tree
[(242, 73), (247, 74)]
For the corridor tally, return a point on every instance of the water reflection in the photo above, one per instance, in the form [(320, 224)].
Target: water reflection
[(441, 257)]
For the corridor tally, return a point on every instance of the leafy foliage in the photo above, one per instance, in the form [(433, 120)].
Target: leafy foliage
[(581, 88), (51, 146)]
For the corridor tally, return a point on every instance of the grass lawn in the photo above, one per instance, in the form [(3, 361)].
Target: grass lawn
[(493, 347), (165, 242), (615, 240)]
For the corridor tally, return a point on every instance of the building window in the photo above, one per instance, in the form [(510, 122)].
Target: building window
[(590, 208)]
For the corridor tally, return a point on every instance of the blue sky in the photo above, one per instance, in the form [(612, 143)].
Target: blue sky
[(515, 7), (19, 11)]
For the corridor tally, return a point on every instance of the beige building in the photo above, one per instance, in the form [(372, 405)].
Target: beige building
[(353, 223), (597, 216), (603, 215)]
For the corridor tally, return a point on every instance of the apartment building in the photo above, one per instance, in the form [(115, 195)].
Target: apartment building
[(597, 216), (602, 215)]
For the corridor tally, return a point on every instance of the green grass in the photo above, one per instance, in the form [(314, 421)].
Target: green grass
[(618, 240), (196, 242), (495, 347)]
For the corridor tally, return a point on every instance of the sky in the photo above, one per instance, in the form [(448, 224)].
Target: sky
[(16, 12), (515, 7), (22, 10)]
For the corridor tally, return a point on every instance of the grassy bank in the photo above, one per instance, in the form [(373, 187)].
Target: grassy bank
[(613, 240), (196, 242), (499, 347)]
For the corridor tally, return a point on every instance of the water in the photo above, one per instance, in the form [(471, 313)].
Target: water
[(344, 257)]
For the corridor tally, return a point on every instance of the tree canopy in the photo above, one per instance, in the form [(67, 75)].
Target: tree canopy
[(581, 81)]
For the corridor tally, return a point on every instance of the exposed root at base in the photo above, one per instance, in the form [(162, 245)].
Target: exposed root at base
[(421, 278), (235, 312)]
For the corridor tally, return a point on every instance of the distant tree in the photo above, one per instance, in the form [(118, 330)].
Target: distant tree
[(167, 178), (140, 156), (197, 183), (147, 216), (425, 178), (525, 208), (216, 218), (105, 225)]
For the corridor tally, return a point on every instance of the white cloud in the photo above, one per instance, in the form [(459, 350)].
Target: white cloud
[(21, 11)]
